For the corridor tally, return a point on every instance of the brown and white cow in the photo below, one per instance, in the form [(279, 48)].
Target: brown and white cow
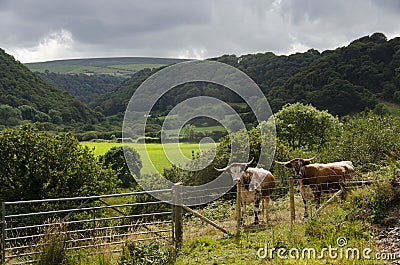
[(257, 184), (319, 177)]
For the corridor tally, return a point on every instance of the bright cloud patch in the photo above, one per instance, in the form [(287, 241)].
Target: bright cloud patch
[(58, 44)]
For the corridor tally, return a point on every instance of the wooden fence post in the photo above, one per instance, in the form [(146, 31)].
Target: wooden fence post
[(238, 208), (177, 214), (343, 186), (292, 207)]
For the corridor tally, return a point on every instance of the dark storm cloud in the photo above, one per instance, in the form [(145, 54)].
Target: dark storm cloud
[(35, 29)]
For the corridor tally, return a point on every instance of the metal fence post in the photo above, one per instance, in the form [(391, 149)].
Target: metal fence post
[(177, 214), (3, 233)]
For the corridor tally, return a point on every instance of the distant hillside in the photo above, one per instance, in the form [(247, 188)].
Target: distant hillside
[(26, 96), (363, 75), (117, 66), (268, 70), (84, 87), (348, 79)]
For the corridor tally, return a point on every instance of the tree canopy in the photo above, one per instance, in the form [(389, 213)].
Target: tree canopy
[(36, 165), (20, 87), (116, 159), (304, 126)]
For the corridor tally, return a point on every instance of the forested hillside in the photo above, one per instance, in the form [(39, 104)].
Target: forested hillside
[(348, 79), (26, 96), (344, 81), (363, 75), (84, 87), (266, 70)]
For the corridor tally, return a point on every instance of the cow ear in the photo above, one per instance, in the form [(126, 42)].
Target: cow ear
[(288, 165), (306, 162)]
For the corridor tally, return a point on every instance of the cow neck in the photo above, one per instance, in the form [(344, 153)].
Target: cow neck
[(307, 172), (245, 181)]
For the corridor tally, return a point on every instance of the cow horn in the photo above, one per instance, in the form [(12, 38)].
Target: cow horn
[(221, 169), (312, 158), (282, 163), (251, 161)]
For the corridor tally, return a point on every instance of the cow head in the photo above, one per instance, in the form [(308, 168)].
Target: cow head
[(297, 164), (236, 170)]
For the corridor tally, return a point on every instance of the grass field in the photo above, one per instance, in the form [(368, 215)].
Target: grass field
[(120, 66), (156, 160)]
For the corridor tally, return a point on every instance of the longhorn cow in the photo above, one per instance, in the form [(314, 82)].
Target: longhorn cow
[(256, 184), (319, 177)]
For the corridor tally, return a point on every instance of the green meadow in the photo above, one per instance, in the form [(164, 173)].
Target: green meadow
[(156, 157)]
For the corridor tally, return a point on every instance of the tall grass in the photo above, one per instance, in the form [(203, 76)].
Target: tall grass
[(53, 249), (53, 246)]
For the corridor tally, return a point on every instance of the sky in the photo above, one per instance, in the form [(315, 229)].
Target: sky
[(44, 30)]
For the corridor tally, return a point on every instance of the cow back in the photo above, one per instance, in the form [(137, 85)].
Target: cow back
[(328, 175)]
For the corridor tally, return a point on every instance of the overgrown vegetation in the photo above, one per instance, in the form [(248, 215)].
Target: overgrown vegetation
[(137, 253), (36, 165)]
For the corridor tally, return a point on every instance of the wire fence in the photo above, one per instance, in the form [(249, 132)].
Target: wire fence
[(222, 210), (108, 221)]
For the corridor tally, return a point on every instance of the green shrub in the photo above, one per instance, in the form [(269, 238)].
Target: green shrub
[(37, 165), (372, 203), (366, 139), (153, 253)]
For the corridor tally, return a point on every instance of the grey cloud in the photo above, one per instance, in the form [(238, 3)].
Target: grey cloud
[(213, 28)]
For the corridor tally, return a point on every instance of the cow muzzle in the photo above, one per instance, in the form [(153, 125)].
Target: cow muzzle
[(298, 176)]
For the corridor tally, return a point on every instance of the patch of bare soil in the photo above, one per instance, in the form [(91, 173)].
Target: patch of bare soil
[(388, 236)]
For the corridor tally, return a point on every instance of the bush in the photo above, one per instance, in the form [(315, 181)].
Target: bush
[(36, 165), (366, 140), (372, 203), (305, 126), (117, 158)]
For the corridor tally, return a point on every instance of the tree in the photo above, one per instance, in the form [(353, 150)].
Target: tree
[(10, 116), (188, 132), (115, 159), (304, 126), (36, 165), (367, 140)]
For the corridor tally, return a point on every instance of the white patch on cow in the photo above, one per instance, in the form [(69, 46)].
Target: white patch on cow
[(258, 176)]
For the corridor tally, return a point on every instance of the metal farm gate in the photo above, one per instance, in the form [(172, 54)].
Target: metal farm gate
[(102, 223)]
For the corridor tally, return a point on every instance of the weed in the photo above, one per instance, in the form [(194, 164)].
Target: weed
[(154, 253)]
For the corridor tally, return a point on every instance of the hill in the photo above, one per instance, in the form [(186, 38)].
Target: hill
[(265, 69), (363, 75), (117, 66), (348, 79), (26, 96), (84, 87)]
